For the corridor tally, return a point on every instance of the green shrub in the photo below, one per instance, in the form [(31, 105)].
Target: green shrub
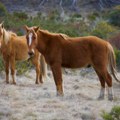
[(3, 10), (54, 15), (113, 115), (20, 15), (117, 54), (114, 16), (23, 67), (103, 29), (93, 16), (1, 63)]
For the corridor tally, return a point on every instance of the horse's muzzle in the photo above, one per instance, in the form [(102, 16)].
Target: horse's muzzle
[(31, 53)]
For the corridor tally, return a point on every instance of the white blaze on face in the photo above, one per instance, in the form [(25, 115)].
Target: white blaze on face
[(30, 38)]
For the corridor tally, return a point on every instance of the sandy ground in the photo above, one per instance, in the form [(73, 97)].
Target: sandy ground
[(27, 101)]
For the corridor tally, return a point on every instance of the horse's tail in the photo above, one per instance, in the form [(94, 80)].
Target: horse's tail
[(112, 62), (43, 67)]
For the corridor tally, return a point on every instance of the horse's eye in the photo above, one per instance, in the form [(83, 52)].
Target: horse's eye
[(34, 37), (27, 37)]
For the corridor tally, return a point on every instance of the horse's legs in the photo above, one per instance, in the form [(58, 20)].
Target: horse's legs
[(36, 62), (57, 73), (108, 79), (7, 70), (39, 75), (12, 66), (109, 83), (102, 81), (43, 68)]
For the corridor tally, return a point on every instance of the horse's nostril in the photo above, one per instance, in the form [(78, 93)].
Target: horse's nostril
[(31, 53)]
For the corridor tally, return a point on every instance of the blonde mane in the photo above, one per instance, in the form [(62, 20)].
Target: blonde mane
[(64, 36), (7, 35)]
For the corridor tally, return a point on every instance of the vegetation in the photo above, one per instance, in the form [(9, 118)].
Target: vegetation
[(103, 30), (3, 10), (114, 16), (117, 54), (113, 115), (73, 25)]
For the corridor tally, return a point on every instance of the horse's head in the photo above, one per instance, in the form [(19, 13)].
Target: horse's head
[(31, 37), (1, 32)]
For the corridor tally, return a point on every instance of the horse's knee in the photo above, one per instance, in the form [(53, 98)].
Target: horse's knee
[(7, 71), (101, 78), (107, 78)]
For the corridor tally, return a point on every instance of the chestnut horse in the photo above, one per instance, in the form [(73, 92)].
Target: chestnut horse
[(60, 51), (14, 48)]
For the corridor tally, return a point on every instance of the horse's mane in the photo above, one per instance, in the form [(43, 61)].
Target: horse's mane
[(7, 35), (47, 32), (64, 36)]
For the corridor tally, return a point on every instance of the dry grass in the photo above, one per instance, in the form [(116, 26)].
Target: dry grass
[(27, 101)]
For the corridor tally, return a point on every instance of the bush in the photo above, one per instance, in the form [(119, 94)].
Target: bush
[(23, 67), (115, 40), (114, 16), (103, 29), (3, 10), (1, 64), (117, 54), (20, 15), (54, 15), (93, 16), (113, 115)]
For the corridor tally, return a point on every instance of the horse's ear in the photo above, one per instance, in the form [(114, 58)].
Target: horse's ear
[(2, 24), (26, 28), (36, 29)]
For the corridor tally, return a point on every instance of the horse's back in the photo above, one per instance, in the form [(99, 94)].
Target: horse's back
[(81, 51)]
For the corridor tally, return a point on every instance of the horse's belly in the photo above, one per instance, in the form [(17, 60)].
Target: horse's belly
[(76, 63)]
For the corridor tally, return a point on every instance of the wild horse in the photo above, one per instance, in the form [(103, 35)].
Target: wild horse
[(61, 51), (14, 48)]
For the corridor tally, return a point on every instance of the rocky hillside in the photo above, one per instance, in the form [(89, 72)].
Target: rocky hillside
[(62, 6)]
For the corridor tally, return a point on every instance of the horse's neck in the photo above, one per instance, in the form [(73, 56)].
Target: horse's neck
[(42, 41)]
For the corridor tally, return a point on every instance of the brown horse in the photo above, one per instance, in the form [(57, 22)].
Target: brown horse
[(60, 51), (14, 48)]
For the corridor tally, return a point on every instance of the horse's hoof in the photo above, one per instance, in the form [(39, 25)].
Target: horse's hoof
[(110, 97), (7, 82), (59, 94), (101, 98), (41, 82), (14, 83), (36, 82)]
